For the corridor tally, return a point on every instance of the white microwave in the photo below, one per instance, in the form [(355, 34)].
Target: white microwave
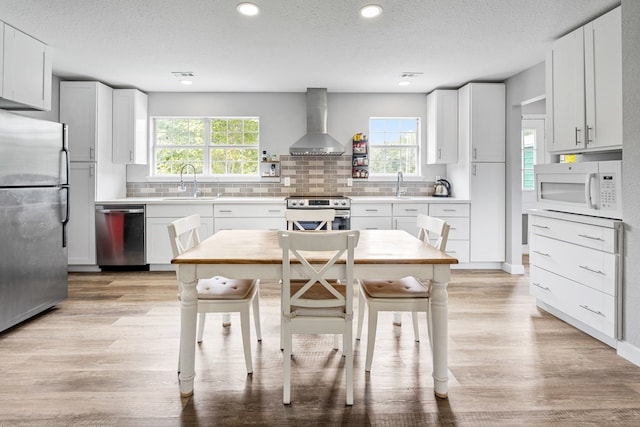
[(588, 188)]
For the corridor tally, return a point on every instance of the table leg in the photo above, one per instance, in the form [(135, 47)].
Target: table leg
[(188, 317), (439, 321)]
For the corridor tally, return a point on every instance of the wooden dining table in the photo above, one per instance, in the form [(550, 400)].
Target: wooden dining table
[(256, 254)]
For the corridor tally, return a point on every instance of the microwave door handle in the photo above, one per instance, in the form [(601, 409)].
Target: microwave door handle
[(587, 190)]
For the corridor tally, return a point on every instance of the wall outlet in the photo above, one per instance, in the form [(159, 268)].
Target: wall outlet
[(287, 181), (349, 182), (437, 178)]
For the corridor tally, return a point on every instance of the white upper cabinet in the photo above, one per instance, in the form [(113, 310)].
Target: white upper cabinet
[(129, 126), (26, 71), (481, 121), (86, 107), (442, 126), (584, 78)]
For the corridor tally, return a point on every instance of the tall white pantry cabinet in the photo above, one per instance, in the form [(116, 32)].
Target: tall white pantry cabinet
[(479, 174), (86, 108)]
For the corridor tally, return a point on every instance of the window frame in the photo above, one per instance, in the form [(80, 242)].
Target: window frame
[(418, 146), (206, 148)]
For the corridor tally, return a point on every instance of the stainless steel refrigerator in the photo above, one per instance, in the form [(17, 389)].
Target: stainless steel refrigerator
[(34, 212)]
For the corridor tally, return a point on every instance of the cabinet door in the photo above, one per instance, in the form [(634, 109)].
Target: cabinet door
[(442, 127), (485, 118), (568, 93), (158, 245), (603, 81), (487, 222), (27, 70), (78, 109), (129, 126), (81, 232)]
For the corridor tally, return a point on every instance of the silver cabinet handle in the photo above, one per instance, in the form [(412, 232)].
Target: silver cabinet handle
[(586, 307), (450, 210), (542, 253), (225, 211), (275, 211), (540, 226), (577, 132), (585, 267), (411, 210), (589, 140), (475, 153), (591, 237), (544, 288)]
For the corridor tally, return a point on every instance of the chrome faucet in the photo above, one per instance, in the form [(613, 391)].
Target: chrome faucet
[(399, 181), (182, 187)]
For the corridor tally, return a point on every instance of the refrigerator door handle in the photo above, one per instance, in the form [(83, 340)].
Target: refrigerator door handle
[(67, 215), (65, 151)]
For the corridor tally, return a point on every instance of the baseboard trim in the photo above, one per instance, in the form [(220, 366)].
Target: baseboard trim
[(629, 351), (513, 268)]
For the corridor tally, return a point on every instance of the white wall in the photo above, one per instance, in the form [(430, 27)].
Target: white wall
[(631, 176), (526, 86), (283, 118)]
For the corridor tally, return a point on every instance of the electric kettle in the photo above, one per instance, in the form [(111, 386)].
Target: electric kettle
[(442, 188)]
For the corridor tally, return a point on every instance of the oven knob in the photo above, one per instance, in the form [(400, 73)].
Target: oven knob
[(344, 203), (293, 203)]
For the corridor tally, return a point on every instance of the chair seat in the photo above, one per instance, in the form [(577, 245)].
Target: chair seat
[(219, 287), (407, 287)]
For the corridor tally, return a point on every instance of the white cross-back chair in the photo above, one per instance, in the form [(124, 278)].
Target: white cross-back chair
[(324, 218), (295, 216), (219, 294), (317, 293), (406, 294)]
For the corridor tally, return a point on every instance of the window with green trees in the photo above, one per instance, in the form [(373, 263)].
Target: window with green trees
[(394, 144), (213, 145)]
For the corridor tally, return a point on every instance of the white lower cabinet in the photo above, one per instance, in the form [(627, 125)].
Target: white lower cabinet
[(405, 216), (159, 216), (576, 265), (244, 216), (371, 216), (457, 216)]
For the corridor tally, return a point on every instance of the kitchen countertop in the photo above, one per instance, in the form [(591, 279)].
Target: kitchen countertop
[(259, 200)]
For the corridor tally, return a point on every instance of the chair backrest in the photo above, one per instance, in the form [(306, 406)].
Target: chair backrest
[(296, 216), (183, 233), (313, 258), (433, 229)]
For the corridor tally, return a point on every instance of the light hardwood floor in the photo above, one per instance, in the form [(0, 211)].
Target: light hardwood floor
[(107, 356)]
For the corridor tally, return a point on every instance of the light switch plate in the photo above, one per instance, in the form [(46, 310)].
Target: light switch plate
[(287, 181), (349, 182)]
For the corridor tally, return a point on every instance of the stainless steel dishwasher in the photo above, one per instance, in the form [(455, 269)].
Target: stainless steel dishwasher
[(120, 235)]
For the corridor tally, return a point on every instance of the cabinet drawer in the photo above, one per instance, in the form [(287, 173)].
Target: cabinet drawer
[(410, 209), (249, 210), (371, 223), (588, 235), (370, 209), (249, 224), (458, 249), (449, 209), (459, 228), (595, 269), (178, 211), (587, 305)]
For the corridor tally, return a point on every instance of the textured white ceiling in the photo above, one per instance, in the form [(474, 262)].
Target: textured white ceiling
[(296, 44)]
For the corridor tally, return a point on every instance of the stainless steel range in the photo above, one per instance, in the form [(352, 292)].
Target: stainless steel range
[(341, 204)]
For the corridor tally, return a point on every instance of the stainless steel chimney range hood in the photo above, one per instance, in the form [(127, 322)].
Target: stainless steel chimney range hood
[(317, 142)]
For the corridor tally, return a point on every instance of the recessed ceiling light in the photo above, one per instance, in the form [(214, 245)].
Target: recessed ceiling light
[(370, 11), (248, 9), (404, 83), (186, 82)]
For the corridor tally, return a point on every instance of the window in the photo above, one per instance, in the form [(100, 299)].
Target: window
[(394, 145), (214, 145), (528, 158)]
